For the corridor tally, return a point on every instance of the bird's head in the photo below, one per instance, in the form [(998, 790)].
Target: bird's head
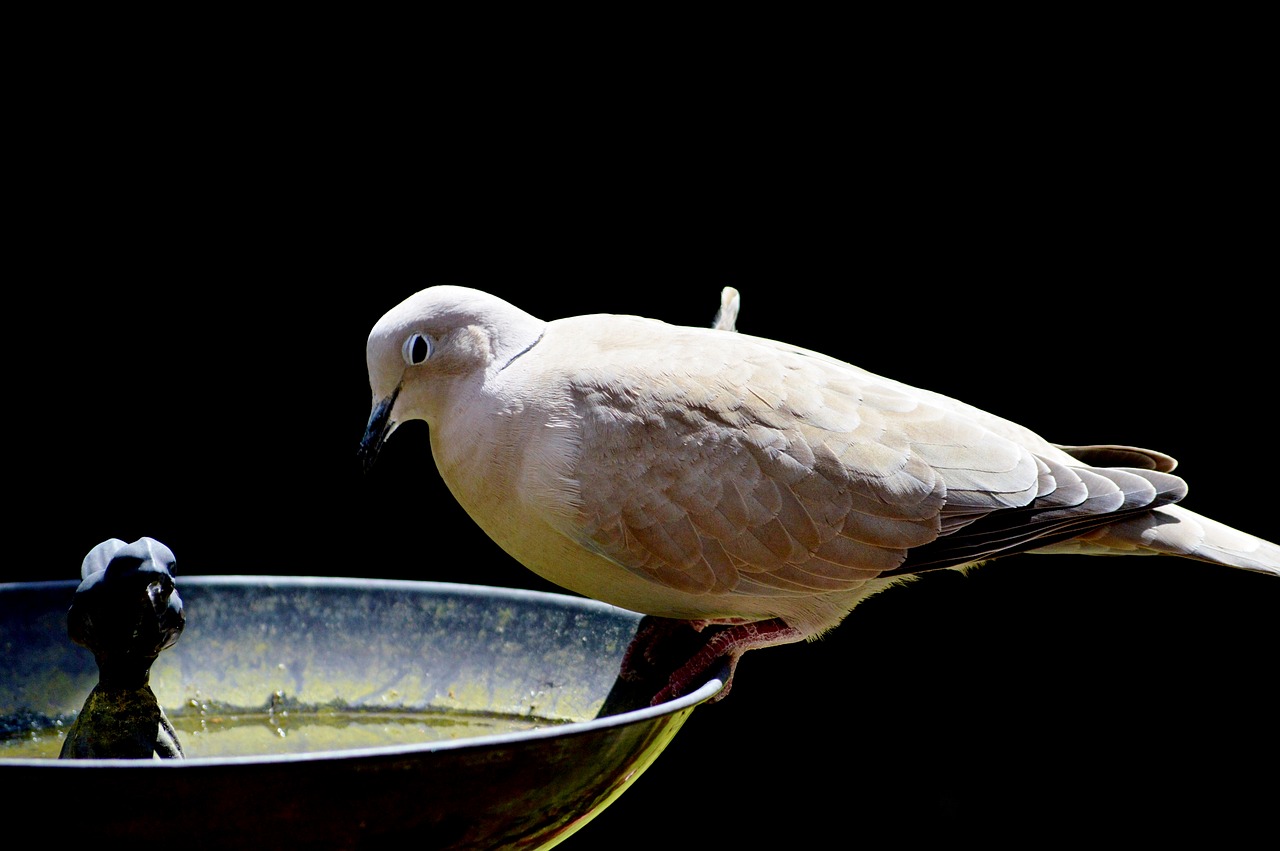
[(429, 345)]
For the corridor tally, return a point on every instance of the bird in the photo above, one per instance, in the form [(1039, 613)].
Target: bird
[(737, 491)]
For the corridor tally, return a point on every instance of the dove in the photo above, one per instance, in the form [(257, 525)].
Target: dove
[(738, 491)]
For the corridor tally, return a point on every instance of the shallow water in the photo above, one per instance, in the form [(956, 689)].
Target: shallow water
[(296, 731)]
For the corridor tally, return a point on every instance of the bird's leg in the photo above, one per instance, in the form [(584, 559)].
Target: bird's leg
[(669, 658), (727, 643), (657, 645)]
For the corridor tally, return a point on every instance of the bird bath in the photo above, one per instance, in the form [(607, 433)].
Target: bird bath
[(503, 685)]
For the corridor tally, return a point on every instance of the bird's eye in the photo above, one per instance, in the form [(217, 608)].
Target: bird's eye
[(417, 348)]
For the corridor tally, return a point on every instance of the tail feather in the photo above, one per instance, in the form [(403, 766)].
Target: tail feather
[(1173, 530)]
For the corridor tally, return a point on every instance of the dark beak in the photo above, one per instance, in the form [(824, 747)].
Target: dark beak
[(377, 430)]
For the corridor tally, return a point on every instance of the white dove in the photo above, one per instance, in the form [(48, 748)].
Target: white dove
[(750, 489)]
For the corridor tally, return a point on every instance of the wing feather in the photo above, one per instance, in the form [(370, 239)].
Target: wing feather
[(747, 466)]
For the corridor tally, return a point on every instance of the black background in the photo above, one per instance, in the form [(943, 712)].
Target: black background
[(187, 362)]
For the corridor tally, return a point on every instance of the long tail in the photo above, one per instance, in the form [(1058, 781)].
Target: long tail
[(1173, 530)]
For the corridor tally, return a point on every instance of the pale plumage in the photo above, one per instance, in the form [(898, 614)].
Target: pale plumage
[(707, 476)]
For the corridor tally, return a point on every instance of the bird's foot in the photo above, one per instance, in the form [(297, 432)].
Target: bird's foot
[(660, 645), (669, 658), (726, 643)]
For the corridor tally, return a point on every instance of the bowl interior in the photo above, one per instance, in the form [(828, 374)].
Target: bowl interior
[(305, 643)]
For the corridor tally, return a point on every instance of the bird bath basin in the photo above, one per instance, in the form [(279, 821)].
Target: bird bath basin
[(515, 756)]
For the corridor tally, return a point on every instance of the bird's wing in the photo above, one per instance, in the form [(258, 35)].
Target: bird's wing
[(1113, 455), (714, 462)]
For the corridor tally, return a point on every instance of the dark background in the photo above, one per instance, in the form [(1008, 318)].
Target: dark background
[(199, 276)]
